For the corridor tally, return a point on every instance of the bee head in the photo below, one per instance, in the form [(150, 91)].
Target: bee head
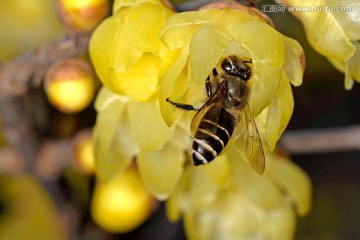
[(234, 66)]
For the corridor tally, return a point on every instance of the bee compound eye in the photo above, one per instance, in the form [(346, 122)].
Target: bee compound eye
[(245, 75), (226, 65)]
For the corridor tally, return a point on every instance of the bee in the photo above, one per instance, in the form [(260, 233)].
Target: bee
[(225, 114)]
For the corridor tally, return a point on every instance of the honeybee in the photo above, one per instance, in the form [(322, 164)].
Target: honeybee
[(225, 114)]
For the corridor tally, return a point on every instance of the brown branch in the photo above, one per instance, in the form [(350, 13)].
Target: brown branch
[(17, 128), (17, 76), (322, 140), (54, 156)]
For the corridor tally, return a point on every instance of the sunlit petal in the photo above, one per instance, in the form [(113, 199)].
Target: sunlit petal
[(184, 24), (150, 131), (265, 83), (207, 45), (272, 54), (114, 143), (295, 61), (161, 170)]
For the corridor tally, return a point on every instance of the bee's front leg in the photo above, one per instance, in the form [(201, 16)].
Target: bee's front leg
[(183, 106), (209, 88)]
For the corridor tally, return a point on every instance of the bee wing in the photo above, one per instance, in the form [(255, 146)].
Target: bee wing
[(209, 108), (196, 119), (249, 141)]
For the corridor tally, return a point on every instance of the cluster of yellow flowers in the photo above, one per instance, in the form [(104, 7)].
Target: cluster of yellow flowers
[(332, 29), (144, 53)]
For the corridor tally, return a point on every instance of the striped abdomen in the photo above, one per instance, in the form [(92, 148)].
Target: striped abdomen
[(212, 135)]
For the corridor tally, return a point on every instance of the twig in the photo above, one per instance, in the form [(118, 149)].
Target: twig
[(54, 156), (17, 76), (17, 128), (322, 140), (15, 80)]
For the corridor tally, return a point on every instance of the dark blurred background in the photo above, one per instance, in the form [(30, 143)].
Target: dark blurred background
[(321, 102)]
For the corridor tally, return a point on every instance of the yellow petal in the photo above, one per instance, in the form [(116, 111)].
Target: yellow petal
[(324, 32), (350, 68), (218, 171), (173, 205), (161, 170), (293, 180), (280, 223), (141, 79), (147, 125), (110, 51), (178, 200), (200, 188), (255, 36), (199, 226), (184, 24), (119, 4), (168, 55), (182, 138), (106, 122), (206, 47), (294, 61), (277, 114), (265, 83), (235, 16), (143, 24), (105, 97), (348, 18), (114, 144), (349, 81), (354, 63), (174, 83), (328, 38), (258, 189), (237, 217)]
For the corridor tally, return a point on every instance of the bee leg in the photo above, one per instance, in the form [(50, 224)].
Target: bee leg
[(208, 87), (208, 83), (183, 106)]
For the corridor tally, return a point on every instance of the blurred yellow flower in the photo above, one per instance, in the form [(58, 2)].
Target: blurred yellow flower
[(243, 205), (126, 50), (332, 28), (208, 35)]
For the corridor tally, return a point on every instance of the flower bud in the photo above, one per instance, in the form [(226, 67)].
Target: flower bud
[(82, 15), (122, 204), (70, 85), (83, 151)]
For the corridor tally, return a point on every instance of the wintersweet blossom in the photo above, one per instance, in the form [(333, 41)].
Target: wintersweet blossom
[(130, 59), (242, 205), (135, 123), (232, 29), (332, 28), (126, 129), (126, 49)]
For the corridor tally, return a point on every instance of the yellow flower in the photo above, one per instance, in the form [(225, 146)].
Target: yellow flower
[(129, 58), (126, 129), (204, 36), (126, 50), (134, 122), (244, 205), (332, 28)]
